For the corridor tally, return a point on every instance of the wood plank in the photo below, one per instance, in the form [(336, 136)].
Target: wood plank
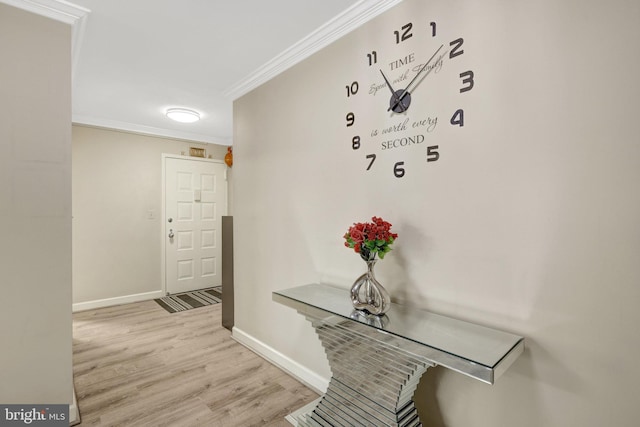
[(137, 365)]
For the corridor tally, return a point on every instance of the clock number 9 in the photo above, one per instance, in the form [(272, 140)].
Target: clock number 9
[(352, 89), (351, 118), (398, 170)]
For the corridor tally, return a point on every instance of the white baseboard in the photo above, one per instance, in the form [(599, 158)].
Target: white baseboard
[(316, 382), (74, 412), (108, 302)]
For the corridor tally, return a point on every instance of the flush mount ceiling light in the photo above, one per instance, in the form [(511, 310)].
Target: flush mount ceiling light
[(183, 115)]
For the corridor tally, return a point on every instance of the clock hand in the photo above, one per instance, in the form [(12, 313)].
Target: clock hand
[(423, 68), (405, 91), (387, 82), (395, 98)]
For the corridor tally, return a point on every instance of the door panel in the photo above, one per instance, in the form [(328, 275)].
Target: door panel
[(195, 200)]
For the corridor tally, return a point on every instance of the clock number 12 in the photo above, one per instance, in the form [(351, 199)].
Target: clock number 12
[(406, 33)]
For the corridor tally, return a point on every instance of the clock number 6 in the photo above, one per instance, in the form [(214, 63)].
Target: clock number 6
[(398, 170)]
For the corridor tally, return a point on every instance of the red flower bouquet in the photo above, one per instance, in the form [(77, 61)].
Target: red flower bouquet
[(370, 238)]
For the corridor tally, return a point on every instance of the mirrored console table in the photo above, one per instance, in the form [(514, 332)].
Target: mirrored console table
[(376, 362)]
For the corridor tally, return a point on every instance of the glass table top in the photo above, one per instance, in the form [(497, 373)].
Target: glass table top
[(473, 344)]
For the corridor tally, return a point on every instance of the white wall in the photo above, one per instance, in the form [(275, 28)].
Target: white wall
[(35, 209), (117, 181), (529, 225)]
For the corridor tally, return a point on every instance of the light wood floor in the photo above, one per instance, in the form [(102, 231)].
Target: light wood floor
[(137, 365)]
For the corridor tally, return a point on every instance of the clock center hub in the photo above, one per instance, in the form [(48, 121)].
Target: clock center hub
[(400, 101)]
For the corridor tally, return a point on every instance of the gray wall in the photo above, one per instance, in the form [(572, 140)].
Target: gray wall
[(528, 222), (35, 209)]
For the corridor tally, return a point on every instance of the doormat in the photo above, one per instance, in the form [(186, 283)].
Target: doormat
[(190, 300)]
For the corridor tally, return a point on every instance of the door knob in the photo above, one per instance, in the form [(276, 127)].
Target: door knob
[(171, 233)]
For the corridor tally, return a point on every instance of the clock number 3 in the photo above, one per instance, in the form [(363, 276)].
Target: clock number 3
[(467, 81)]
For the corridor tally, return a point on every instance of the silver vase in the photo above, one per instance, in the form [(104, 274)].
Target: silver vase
[(367, 294)]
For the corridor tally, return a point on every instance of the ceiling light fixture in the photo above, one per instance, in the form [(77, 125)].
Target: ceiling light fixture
[(183, 115)]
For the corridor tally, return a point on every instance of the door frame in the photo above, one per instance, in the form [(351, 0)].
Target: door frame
[(163, 229)]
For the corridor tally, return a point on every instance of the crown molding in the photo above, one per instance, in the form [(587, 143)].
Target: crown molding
[(62, 11), (349, 20), (55, 9), (148, 130)]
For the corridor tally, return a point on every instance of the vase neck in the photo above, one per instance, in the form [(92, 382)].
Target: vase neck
[(371, 263)]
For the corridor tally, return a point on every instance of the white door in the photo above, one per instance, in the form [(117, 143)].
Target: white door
[(195, 200)]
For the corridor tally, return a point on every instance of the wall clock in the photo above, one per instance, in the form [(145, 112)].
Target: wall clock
[(408, 86)]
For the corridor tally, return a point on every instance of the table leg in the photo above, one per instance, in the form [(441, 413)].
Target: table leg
[(373, 379)]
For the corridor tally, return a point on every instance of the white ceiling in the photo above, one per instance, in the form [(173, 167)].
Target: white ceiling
[(133, 59)]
